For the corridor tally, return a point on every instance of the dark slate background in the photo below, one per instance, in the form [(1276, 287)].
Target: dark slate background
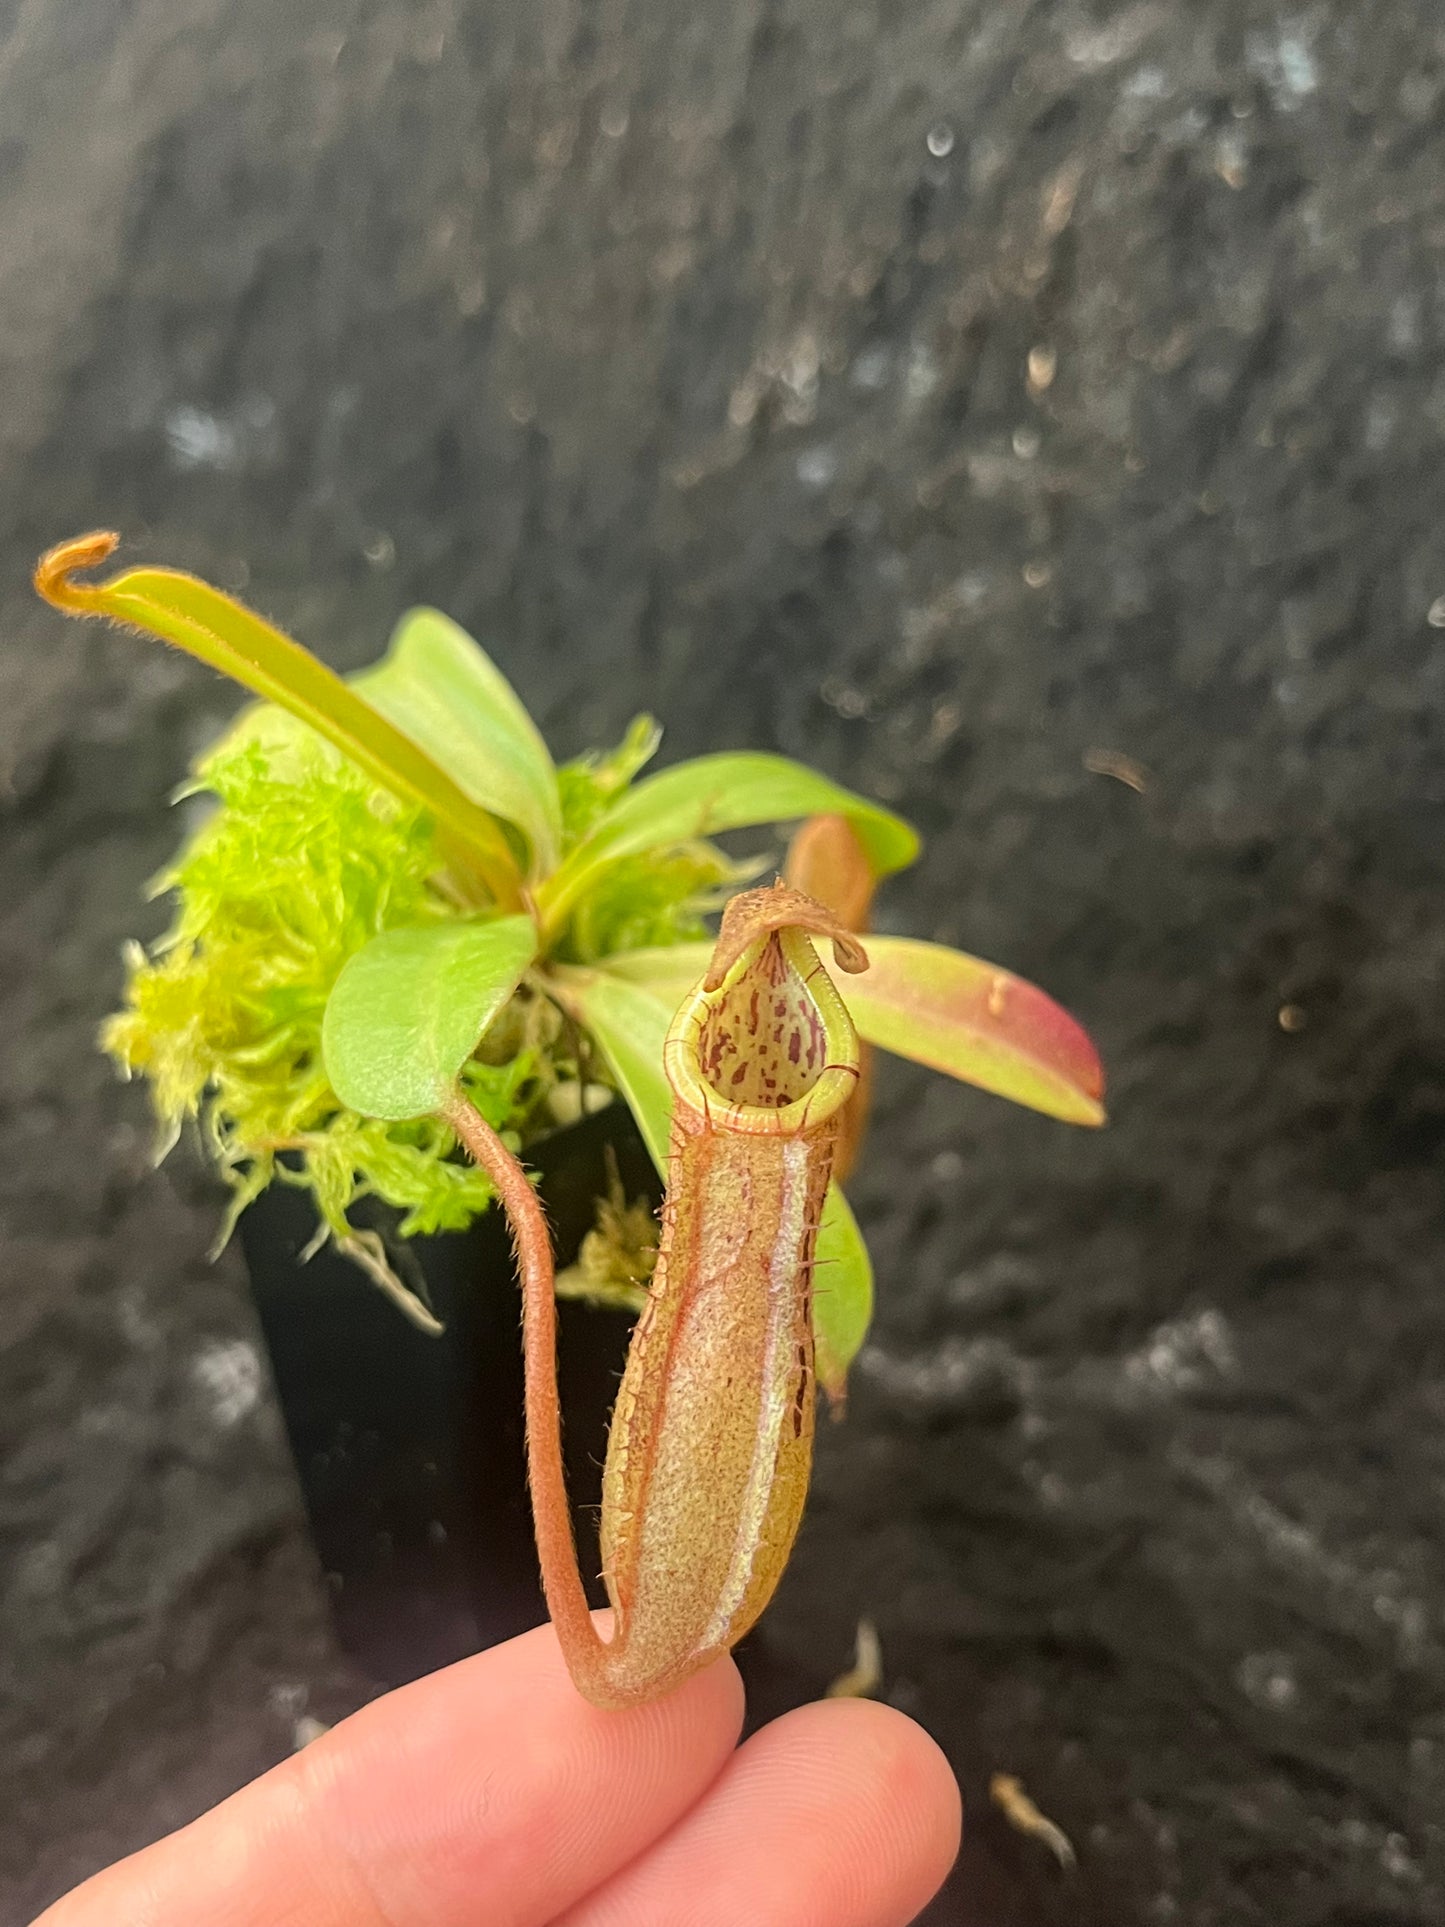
[(684, 352)]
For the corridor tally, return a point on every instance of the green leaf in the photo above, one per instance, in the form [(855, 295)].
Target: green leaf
[(976, 1022), (630, 1024), (406, 1012), (667, 973), (842, 1294), (193, 616), (591, 782), (449, 697), (730, 791)]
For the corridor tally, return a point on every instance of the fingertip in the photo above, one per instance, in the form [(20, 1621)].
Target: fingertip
[(725, 1695), (919, 1810), (841, 1814)]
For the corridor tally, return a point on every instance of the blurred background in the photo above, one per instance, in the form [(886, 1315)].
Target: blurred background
[(1030, 411)]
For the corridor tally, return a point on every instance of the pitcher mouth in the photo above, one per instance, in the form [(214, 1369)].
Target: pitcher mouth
[(771, 1048)]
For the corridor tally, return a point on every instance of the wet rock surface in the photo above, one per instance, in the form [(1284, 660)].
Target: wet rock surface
[(1034, 416)]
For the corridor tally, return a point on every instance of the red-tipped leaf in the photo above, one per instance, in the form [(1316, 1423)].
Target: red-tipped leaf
[(974, 1021)]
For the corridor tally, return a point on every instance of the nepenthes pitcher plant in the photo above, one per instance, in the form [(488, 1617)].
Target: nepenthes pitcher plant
[(711, 1444), (711, 1440)]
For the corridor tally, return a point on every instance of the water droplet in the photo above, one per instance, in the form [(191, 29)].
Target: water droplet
[(1269, 1680), (197, 439), (817, 467), (1435, 614), (870, 369), (940, 140)]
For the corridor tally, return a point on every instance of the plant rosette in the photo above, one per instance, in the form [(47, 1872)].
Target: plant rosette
[(401, 918)]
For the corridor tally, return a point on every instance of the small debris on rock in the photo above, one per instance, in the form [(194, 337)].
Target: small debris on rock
[(1008, 1795), (1124, 769), (1043, 365), (865, 1675)]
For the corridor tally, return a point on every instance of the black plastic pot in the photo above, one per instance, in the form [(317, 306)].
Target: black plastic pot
[(409, 1447)]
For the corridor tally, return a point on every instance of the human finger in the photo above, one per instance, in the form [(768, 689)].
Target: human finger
[(842, 1814), (489, 1791)]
